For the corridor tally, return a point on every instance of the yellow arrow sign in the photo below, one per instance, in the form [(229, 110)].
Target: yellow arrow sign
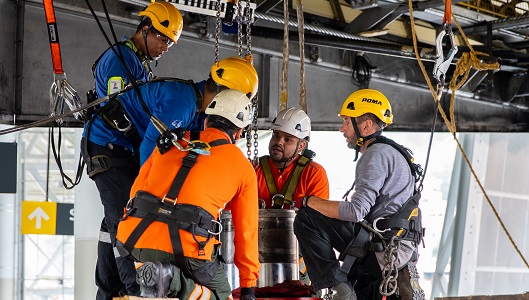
[(38, 217)]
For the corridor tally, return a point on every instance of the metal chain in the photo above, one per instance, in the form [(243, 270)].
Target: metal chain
[(249, 18), (388, 286), (217, 31), (239, 27), (418, 292), (255, 161)]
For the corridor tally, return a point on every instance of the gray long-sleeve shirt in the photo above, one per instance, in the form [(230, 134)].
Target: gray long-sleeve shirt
[(383, 183)]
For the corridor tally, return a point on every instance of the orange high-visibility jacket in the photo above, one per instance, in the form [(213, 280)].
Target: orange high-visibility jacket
[(216, 179), (312, 182)]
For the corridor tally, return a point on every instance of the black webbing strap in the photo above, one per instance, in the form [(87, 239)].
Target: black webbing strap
[(356, 249), (176, 243), (139, 230), (188, 162)]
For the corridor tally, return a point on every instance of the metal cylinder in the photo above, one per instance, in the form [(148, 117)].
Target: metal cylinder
[(278, 252)]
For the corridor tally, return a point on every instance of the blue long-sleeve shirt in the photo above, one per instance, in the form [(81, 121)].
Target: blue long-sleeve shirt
[(173, 102)]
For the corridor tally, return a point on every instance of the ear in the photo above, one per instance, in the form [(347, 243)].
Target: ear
[(238, 134), (206, 123), (302, 145)]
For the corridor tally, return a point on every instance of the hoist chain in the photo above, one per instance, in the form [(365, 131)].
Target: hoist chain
[(248, 28), (217, 31), (239, 27), (418, 292), (255, 161), (388, 286)]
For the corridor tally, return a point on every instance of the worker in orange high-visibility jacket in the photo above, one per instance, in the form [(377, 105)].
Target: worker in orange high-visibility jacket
[(288, 173), (192, 271)]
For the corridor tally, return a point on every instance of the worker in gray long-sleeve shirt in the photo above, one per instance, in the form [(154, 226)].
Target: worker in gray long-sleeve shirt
[(385, 200)]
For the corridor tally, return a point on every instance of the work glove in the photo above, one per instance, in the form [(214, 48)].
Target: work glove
[(248, 294)]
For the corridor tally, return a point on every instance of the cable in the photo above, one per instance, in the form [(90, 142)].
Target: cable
[(361, 74)]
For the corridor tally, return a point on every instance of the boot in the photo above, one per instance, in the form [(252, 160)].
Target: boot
[(154, 279), (344, 291)]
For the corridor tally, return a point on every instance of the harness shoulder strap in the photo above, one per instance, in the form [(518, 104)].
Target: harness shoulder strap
[(415, 169), (263, 161), (188, 162), (293, 180)]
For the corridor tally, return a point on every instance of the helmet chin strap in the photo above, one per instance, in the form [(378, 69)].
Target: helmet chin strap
[(360, 140), (144, 34)]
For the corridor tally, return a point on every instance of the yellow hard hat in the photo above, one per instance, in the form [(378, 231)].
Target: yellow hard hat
[(165, 18), (236, 73), (367, 101)]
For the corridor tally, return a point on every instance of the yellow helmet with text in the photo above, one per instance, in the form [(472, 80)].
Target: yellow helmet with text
[(367, 101), (165, 18), (236, 73)]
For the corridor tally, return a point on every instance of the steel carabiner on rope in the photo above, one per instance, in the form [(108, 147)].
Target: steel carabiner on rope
[(441, 62)]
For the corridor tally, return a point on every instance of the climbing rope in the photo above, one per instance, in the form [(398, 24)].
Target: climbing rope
[(301, 30), (283, 96), (463, 65)]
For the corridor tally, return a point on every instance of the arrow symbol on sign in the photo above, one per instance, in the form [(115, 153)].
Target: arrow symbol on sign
[(39, 214)]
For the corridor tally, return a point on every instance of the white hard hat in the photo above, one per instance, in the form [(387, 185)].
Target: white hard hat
[(293, 121), (232, 105)]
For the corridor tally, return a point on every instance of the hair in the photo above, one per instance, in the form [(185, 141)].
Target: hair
[(223, 124), (212, 87), (145, 22), (372, 117)]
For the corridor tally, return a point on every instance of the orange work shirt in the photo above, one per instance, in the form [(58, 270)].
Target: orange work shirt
[(313, 181), (224, 176)]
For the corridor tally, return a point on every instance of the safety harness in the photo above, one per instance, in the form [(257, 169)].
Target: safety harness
[(404, 225), (287, 192), (115, 117), (191, 218)]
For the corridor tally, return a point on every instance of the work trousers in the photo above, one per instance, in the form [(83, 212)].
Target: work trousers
[(318, 237), (115, 275)]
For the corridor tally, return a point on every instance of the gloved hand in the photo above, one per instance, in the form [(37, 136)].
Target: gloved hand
[(248, 294)]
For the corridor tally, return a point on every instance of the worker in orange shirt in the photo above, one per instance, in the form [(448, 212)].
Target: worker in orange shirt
[(289, 173), (171, 220)]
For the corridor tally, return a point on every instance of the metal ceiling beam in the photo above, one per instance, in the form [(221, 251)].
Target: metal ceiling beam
[(267, 5), (505, 24)]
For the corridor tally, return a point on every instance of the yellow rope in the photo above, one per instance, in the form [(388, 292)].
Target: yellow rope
[(463, 65), (302, 89), (283, 97)]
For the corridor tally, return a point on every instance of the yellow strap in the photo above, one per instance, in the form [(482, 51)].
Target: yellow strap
[(268, 175)]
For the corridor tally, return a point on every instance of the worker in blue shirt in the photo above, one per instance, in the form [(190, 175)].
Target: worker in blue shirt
[(159, 29), (125, 133)]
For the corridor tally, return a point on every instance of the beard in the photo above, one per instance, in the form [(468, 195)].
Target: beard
[(277, 154)]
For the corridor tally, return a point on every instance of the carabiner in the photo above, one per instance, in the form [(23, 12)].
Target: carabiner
[(442, 63)]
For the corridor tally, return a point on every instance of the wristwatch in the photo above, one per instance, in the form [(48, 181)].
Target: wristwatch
[(305, 201)]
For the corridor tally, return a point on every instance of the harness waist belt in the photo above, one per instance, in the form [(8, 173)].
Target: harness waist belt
[(190, 218)]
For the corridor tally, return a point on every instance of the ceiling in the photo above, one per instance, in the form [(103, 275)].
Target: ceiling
[(368, 42), (381, 32)]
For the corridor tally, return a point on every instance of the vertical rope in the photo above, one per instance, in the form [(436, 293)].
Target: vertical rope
[(283, 97), (302, 89)]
